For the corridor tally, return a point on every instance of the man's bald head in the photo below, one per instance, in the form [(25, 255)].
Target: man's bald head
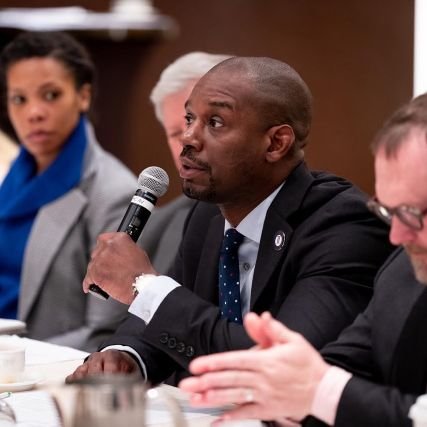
[(278, 93)]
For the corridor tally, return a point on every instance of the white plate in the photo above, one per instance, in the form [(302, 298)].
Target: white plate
[(26, 382), (11, 326)]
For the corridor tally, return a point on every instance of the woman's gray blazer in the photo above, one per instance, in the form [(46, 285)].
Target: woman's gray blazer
[(51, 300)]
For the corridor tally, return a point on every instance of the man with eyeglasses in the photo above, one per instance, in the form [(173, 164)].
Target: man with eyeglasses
[(376, 369)]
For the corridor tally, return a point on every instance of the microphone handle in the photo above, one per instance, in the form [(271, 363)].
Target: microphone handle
[(133, 223)]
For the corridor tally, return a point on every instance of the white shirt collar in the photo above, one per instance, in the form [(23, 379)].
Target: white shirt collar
[(252, 224)]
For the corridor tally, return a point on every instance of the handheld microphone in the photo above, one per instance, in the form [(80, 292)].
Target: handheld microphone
[(153, 183)]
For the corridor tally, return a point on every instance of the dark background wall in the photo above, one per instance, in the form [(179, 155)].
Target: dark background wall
[(356, 56)]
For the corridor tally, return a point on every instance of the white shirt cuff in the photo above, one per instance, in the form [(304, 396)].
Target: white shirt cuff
[(133, 352), (151, 296), (328, 394)]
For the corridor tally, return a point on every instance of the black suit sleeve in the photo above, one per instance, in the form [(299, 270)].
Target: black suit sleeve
[(130, 334), (369, 349), (371, 405), (364, 402)]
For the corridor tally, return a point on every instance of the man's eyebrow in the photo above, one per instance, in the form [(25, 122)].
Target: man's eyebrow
[(218, 104), (221, 104)]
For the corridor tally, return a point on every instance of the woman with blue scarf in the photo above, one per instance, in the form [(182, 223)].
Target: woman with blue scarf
[(62, 190)]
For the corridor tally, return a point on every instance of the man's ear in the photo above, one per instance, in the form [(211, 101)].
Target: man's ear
[(282, 140)]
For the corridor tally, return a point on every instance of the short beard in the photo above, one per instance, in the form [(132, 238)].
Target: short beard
[(419, 265), (420, 270), (208, 195)]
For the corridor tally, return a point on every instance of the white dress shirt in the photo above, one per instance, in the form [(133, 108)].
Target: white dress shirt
[(149, 299)]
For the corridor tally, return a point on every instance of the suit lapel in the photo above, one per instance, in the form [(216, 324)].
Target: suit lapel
[(49, 231), (280, 219), (279, 224), (207, 273), (270, 256)]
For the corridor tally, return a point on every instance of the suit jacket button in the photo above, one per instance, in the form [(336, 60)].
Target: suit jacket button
[(180, 347), (189, 351), (172, 342), (164, 336)]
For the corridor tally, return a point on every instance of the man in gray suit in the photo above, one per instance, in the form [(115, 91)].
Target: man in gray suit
[(164, 231)]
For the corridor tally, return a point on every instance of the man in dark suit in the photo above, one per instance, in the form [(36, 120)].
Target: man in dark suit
[(309, 250), (380, 361)]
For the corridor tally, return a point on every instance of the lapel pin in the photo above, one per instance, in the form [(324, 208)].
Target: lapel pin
[(279, 240)]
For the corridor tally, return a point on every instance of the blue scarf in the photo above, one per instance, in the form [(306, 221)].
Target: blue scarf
[(22, 194)]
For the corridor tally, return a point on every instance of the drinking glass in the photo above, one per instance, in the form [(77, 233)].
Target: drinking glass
[(119, 400)]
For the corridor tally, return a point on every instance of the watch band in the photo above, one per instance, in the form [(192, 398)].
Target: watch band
[(141, 281)]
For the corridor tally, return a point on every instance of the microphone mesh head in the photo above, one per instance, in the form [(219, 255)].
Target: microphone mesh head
[(154, 180)]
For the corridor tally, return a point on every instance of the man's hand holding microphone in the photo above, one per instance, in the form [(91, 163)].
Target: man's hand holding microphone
[(116, 260)]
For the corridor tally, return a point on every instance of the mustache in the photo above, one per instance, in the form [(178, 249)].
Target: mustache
[(188, 152)]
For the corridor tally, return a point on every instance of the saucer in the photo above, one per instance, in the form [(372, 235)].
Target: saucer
[(26, 381), (11, 326)]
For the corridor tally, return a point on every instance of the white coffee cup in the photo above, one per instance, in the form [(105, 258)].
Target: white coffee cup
[(12, 359), (418, 412)]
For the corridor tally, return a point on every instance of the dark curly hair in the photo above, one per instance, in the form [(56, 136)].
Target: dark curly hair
[(47, 44), (57, 45)]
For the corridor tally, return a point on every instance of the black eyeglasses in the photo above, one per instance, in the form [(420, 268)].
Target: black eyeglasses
[(409, 215)]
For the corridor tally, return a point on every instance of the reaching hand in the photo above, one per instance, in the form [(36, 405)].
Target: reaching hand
[(115, 262), (106, 362), (276, 379)]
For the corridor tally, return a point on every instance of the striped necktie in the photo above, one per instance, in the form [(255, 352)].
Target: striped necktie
[(229, 277)]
